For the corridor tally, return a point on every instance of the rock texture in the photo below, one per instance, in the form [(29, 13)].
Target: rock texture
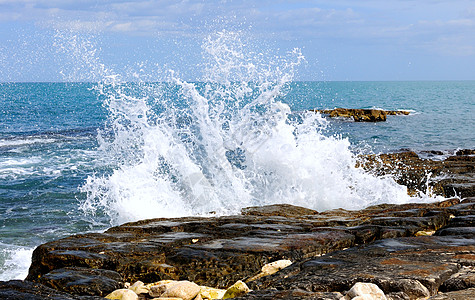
[(408, 251), (453, 176), (19, 290), (403, 267), (219, 251), (362, 115)]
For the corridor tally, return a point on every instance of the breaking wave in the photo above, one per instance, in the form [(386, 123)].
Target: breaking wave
[(183, 148)]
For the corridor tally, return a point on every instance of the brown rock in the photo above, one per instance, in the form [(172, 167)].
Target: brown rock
[(83, 281), (454, 176), (456, 295), (219, 251), (358, 115), (185, 290)]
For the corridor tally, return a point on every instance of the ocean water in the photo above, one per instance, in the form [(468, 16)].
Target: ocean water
[(81, 157)]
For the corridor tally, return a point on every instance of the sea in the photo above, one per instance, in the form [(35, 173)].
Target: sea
[(80, 157)]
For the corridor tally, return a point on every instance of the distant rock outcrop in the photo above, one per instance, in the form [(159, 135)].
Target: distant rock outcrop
[(361, 115)]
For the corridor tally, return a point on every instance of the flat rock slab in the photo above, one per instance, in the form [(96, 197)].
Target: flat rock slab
[(19, 290), (221, 250), (403, 267), (456, 295)]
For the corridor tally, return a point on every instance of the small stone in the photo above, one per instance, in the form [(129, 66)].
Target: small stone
[(160, 283), (366, 291), (158, 288), (271, 268), (211, 293), (123, 294), (425, 233), (275, 266), (182, 289), (413, 288), (236, 290), (139, 288)]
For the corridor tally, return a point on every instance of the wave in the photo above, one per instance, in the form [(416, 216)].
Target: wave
[(195, 148), (15, 261)]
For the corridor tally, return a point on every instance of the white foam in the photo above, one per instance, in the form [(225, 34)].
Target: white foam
[(237, 149), (16, 264), (23, 142)]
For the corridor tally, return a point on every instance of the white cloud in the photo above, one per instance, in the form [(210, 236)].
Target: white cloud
[(394, 21)]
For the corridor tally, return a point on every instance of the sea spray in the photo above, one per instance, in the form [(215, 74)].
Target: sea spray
[(15, 262), (191, 148)]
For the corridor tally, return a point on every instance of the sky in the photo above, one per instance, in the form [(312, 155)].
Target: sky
[(70, 40)]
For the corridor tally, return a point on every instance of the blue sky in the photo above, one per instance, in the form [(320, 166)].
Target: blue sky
[(60, 40)]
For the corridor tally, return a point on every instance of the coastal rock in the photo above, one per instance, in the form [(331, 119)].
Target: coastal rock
[(365, 114), (20, 289), (358, 115), (274, 294), (158, 288), (211, 293), (454, 176), (403, 267), (82, 281), (228, 248), (236, 290), (139, 288), (234, 247), (414, 267), (182, 289), (361, 115), (331, 250), (123, 294), (283, 210), (272, 268), (456, 295), (366, 291), (463, 279)]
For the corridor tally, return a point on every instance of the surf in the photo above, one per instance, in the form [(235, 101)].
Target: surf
[(228, 141)]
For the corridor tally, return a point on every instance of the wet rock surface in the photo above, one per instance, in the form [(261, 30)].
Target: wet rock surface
[(82, 281), (409, 251), (18, 290), (382, 249), (452, 176), (439, 266)]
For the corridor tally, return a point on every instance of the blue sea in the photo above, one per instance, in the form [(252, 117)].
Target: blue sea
[(81, 157)]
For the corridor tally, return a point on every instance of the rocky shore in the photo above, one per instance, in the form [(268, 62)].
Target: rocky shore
[(388, 251)]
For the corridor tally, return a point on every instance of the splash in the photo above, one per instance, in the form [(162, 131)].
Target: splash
[(180, 148), (16, 261)]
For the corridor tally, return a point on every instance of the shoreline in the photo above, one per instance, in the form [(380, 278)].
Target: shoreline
[(242, 244)]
